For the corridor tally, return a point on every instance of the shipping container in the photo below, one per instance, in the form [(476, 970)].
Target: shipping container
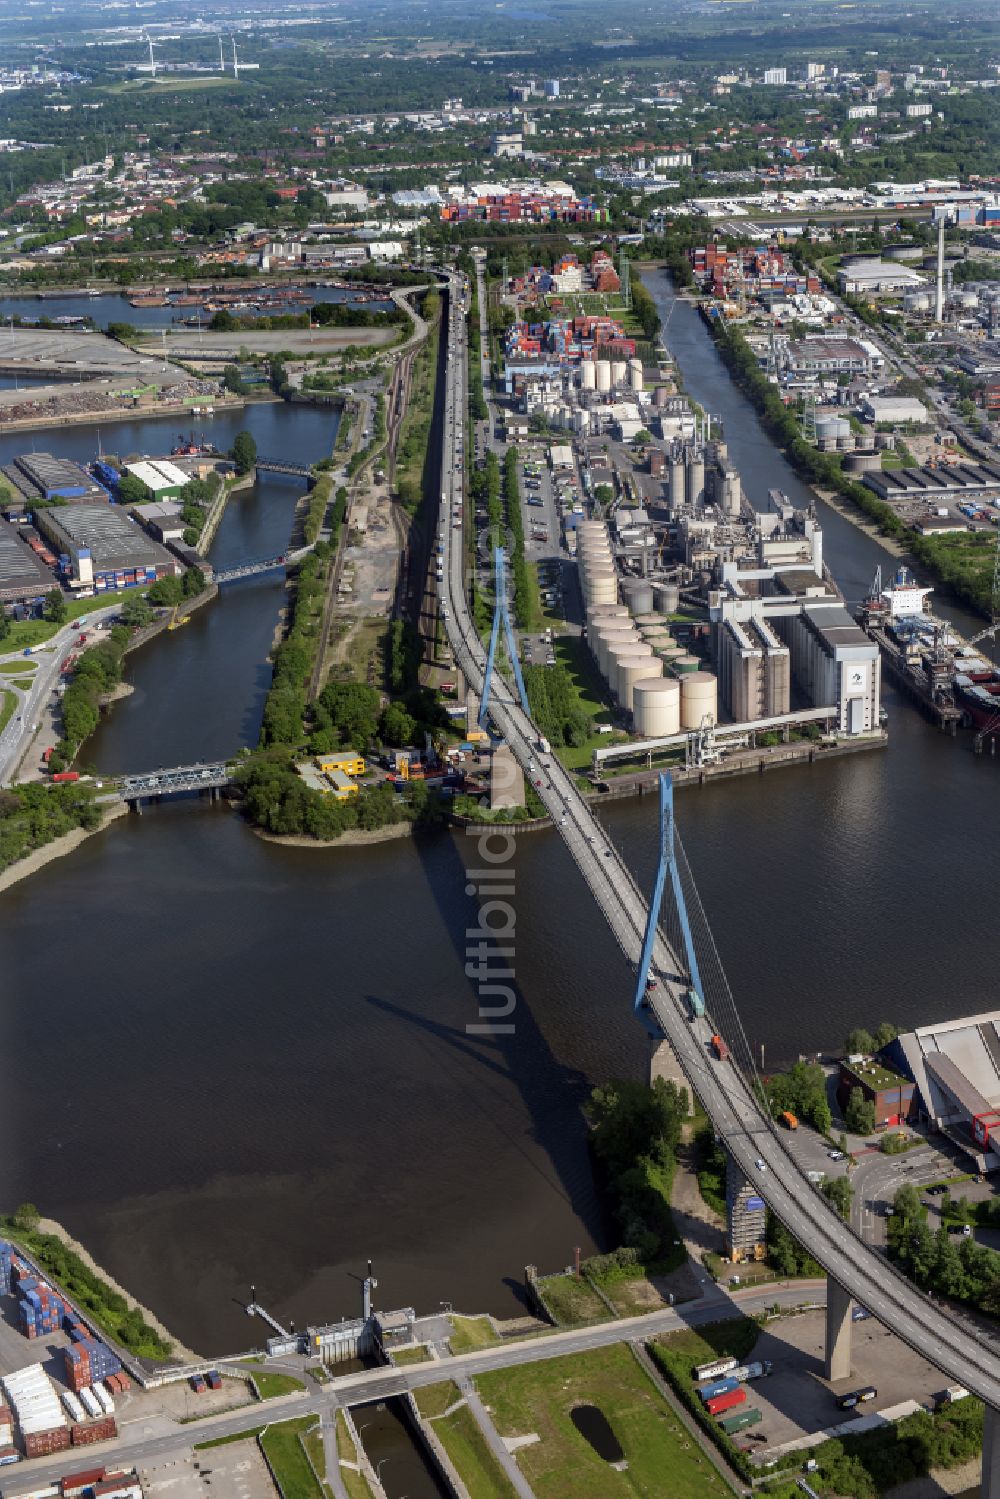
[(718, 1387), (741, 1421), (788, 1119), (720, 1048), (716, 1369), (66, 775), (76, 1483), (90, 1402), (727, 1401), (104, 1399)]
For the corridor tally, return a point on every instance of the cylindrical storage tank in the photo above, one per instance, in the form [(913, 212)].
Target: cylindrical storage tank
[(649, 619), (612, 639), (605, 611), (658, 636), (603, 374), (592, 528), (846, 444), (685, 664), (656, 707), (619, 372), (630, 671), (602, 589), (638, 596), (862, 463), (628, 666), (614, 653), (588, 375), (827, 426), (677, 485), (635, 379), (731, 493), (661, 396), (597, 639), (667, 597), (696, 481), (673, 653), (699, 699)]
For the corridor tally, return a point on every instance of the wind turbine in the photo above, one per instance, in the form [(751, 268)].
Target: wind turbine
[(236, 66), (152, 56), (222, 60)]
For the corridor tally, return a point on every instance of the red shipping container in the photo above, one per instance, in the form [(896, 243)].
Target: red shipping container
[(725, 1402), (75, 1483), (40, 1443), (94, 1431)]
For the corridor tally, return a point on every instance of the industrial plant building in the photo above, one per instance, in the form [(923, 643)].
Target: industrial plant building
[(24, 577), (163, 479), (40, 476), (955, 1068), (101, 547)]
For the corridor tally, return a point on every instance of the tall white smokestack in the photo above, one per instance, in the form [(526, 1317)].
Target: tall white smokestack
[(939, 305)]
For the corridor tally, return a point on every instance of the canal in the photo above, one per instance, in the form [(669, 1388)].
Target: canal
[(229, 1061)]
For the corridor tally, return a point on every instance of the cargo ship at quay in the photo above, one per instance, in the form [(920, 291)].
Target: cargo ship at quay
[(947, 677)]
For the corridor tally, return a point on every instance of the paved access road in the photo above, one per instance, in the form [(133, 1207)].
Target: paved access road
[(137, 1446)]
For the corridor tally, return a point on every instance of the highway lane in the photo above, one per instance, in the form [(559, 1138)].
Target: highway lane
[(964, 1355)]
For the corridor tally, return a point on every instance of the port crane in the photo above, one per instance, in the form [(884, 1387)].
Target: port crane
[(992, 628)]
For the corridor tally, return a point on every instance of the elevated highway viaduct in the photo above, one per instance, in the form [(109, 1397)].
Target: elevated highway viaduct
[(855, 1270)]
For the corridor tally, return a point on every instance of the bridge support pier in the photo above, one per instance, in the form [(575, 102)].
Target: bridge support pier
[(991, 1453), (838, 1333)]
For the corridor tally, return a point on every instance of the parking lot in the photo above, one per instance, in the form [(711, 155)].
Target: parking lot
[(235, 1470), (796, 1399)]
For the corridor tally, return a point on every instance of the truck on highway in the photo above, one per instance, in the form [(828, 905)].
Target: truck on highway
[(544, 747), (695, 1004), (720, 1048), (788, 1119)]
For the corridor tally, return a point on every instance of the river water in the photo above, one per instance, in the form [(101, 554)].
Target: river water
[(227, 1061), (111, 307)]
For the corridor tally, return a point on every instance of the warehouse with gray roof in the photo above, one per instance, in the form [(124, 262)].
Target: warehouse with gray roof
[(23, 576), (104, 547)]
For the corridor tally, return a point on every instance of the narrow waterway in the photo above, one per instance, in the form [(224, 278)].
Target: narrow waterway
[(112, 307), (264, 1069)]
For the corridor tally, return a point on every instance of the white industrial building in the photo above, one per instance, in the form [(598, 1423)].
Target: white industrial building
[(867, 277), (893, 409), (956, 1069)]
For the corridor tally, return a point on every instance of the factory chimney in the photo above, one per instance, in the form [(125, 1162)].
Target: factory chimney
[(939, 303)]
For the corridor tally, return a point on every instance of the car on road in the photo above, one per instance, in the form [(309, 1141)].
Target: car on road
[(835, 1155), (761, 1165)]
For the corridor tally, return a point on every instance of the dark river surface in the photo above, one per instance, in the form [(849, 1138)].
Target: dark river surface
[(111, 307), (227, 1061)]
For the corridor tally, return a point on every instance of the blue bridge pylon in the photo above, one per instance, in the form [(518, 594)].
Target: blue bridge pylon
[(667, 865), (501, 614)]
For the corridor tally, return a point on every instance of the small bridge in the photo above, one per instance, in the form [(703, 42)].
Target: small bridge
[(177, 781), (283, 466), (257, 565)]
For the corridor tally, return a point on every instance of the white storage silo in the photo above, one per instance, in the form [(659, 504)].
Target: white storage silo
[(696, 480), (666, 597), (699, 699), (685, 663), (635, 379), (602, 586), (656, 707), (619, 372), (609, 636), (677, 479), (615, 651), (604, 375), (588, 375), (649, 619), (631, 669), (638, 596), (658, 636)]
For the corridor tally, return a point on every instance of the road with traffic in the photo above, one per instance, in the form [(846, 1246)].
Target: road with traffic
[(749, 1135)]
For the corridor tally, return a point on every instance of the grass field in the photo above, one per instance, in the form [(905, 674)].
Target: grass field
[(467, 1447), (8, 702), (288, 1459), (434, 1399), (572, 1301), (25, 632), (591, 694), (356, 1484), (470, 1333), (270, 1385), (404, 1356), (538, 1398), (17, 668)]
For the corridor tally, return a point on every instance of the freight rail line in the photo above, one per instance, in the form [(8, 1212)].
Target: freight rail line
[(748, 1133)]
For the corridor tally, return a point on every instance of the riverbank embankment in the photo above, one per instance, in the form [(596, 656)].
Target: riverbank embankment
[(39, 857)]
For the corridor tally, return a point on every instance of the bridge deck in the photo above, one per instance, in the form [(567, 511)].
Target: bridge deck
[(749, 1134)]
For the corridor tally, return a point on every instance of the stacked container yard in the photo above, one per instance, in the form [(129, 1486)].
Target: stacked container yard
[(36, 1407), (6, 1255), (40, 1310), (88, 1360)]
